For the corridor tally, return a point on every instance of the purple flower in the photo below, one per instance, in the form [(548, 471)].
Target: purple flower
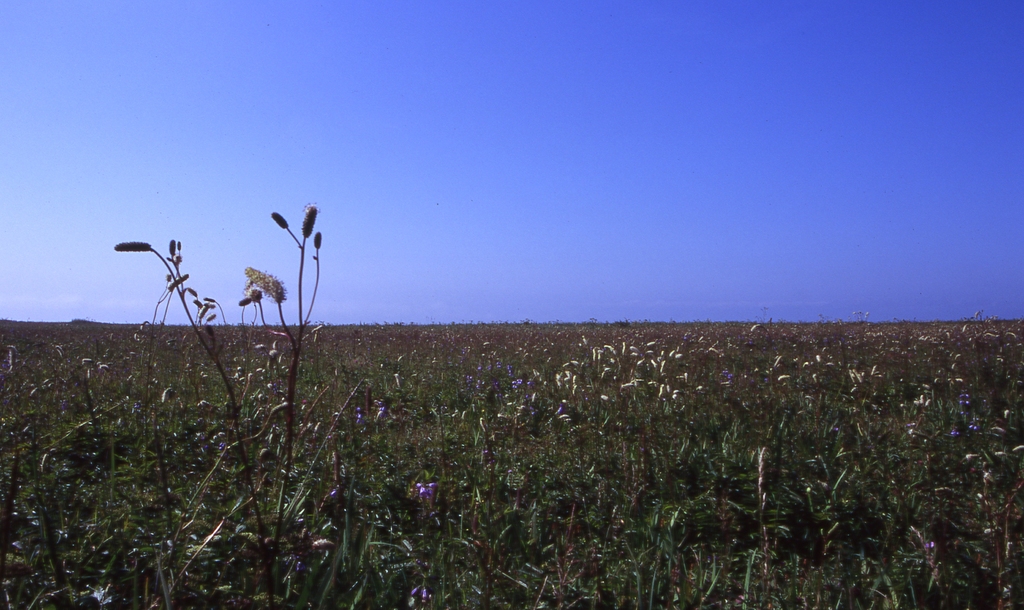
[(422, 594), (426, 492)]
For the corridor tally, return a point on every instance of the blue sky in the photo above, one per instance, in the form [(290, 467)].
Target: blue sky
[(504, 161)]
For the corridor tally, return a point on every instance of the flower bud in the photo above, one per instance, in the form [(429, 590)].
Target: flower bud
[(133, 246), (309, 220)]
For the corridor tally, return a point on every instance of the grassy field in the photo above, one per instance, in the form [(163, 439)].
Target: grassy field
[(838, 465)]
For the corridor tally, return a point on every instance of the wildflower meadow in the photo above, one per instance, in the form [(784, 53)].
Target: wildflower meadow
[(281, 463), (515, 466)]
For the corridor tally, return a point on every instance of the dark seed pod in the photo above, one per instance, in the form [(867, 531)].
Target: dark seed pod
[(179, 246), (244, 302), (317, 240), (178, 282), (173, 247), (281, 222), (133, 246), (309, 220)]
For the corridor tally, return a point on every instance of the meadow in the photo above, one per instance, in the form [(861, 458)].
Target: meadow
[(702, 465)]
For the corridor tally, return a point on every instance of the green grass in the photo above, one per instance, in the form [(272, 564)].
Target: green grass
[(644, 466)]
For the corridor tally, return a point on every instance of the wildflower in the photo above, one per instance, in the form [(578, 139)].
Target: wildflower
[(426, 492), (281, 222), (309, 220), (266, 283), (133, 246), (422, 594)]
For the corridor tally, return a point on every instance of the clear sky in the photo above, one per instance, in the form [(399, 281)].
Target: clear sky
[(502, 161)]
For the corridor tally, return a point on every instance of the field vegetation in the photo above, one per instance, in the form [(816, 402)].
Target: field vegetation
[(839, 465)]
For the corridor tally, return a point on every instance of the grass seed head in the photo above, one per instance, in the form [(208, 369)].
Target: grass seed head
[(281, 222), (317, 240)]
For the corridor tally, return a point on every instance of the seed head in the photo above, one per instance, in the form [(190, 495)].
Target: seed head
[(309, 220), (173, 247), (133, 246), (267, 283), (281, 222), (317, 240)]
